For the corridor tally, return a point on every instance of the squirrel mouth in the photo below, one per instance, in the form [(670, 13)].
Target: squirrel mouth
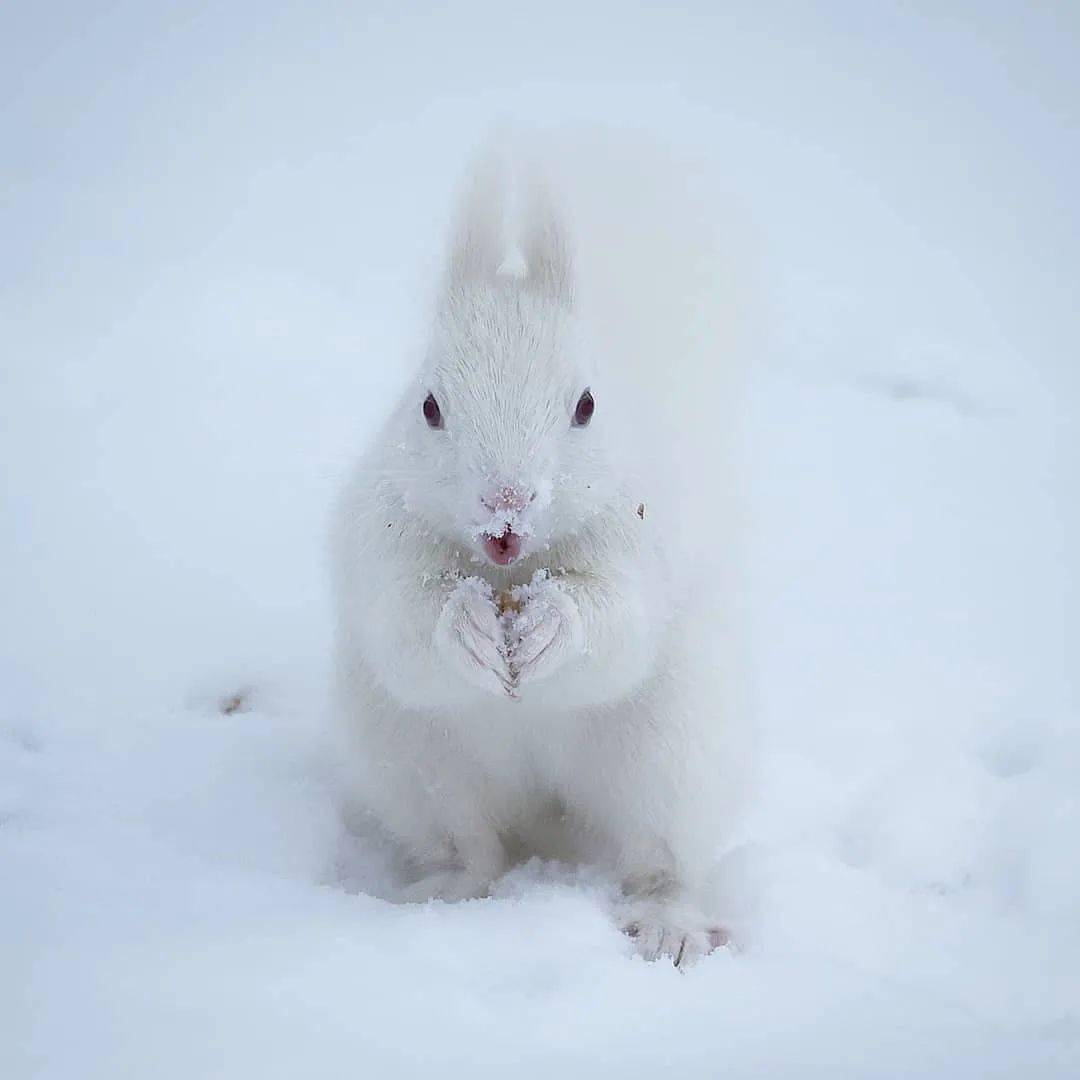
[(502, 550)]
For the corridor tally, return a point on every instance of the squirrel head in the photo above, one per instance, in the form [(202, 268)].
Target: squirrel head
[(502, 450)]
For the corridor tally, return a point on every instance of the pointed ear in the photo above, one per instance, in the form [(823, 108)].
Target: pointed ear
[(545, 245), (477, 246)]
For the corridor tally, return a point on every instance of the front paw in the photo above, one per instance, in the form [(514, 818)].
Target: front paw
[(546, 633), (470, 636)]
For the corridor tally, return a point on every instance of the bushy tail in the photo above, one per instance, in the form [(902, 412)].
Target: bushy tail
[(666, 286)]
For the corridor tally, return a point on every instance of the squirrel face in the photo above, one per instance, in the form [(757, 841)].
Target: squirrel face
[(504, 455)]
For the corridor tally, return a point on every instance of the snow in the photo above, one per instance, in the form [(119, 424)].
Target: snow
[(218, 227)]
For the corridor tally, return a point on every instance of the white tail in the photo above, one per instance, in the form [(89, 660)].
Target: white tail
[(664, 277)]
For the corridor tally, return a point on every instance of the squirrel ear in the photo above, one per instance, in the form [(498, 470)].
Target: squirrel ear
[(545, 246)]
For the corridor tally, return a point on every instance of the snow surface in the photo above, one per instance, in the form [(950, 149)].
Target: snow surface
[(217, 225)]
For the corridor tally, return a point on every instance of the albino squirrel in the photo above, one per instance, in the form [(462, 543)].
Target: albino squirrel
[(515, 659)]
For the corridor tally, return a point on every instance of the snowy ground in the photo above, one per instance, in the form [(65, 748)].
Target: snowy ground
[(215, 232)]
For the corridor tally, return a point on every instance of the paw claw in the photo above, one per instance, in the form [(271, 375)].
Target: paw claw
[(718, 938)]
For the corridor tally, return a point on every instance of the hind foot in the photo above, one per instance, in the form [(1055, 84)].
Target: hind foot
[(680, 935)]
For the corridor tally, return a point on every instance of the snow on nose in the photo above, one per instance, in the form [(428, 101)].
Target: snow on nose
[(507, 499)]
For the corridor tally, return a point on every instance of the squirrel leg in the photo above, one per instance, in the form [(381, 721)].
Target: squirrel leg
[(452, 856)]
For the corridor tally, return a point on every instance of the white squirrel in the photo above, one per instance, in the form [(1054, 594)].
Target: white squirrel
[(514, 658)]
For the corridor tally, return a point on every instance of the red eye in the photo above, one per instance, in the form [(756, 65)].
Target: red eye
[(432, 413), (583, 412)]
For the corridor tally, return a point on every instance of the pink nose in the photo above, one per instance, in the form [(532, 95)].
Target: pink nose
[(507, 499)]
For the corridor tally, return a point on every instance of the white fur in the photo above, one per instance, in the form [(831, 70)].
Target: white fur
[(586, 716)]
